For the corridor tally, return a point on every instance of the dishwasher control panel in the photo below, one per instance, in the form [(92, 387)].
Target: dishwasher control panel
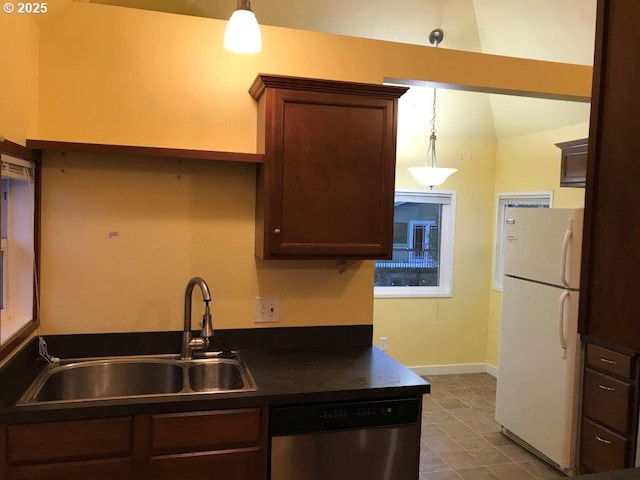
[(342, 416)]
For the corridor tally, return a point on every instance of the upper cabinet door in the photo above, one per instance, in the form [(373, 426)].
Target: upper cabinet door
[(573, 163), (611, 258), (326, 186)]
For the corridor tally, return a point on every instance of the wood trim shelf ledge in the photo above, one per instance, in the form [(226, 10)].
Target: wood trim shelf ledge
[(143, 151)]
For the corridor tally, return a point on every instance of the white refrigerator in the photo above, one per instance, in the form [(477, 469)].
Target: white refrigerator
[(537, 398)]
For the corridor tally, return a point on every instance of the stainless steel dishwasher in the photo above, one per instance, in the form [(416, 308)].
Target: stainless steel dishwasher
[(364, 440)]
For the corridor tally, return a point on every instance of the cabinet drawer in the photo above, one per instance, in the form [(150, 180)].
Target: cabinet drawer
[(607, 401), (609, 361), (201, 431), (120, 469), (228, 465), (601, 449), (67, 441)]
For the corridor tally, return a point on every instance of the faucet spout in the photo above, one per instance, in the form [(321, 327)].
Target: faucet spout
[(200, 343), (207, 325)]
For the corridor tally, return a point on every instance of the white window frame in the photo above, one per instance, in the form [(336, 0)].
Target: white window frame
[(5, 248), (5, 283), (447, 238), (526, 198), (19, 269)]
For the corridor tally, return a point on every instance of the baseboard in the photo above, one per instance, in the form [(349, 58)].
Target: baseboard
[(492, 370), (455, 369)]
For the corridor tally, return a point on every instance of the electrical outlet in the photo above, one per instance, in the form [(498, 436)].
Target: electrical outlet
[(267, 309), (383, 344)]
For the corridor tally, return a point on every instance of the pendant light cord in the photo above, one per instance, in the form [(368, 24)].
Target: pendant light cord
[(431, 151), (435, 37)]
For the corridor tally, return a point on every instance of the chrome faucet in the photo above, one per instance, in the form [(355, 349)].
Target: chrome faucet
[(198, 343)]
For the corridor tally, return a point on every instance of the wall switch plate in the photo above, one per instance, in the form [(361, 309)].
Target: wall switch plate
[(267, 309), (383, 344)]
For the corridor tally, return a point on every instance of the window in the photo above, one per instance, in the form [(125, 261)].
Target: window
[(518, 200), (18, 248), (423, 232)]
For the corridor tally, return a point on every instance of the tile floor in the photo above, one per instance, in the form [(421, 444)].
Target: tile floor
[(462, 440)]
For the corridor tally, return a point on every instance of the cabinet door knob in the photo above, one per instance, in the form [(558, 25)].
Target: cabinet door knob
[(276, 231), (608, 389)]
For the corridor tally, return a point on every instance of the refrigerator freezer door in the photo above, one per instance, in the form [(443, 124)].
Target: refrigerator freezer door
[(537, 392), (533, 244)]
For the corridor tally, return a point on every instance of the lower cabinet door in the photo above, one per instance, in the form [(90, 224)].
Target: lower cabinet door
[(602, 450), (218, 465), (117, 469)]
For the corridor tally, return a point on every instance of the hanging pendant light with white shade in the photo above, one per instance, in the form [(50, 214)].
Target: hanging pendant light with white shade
[(431, 175), (242, 34)]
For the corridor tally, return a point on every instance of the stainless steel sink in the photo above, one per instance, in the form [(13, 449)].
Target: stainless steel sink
[(109, 379), (82, 380), (222, 375)]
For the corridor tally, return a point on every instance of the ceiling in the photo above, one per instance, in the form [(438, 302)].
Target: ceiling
[(549, 30)]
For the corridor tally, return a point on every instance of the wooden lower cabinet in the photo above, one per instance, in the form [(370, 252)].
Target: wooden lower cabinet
[(226, 465), (602, 450), (609, 410), (226, 444), (108, 469)]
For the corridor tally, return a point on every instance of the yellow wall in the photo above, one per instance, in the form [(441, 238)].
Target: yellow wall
[(19, 80), (440, 331), (117, 75), (530, 163), (121, 237), (19, 92)]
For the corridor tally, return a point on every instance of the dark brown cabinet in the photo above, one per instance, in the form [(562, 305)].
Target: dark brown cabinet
[(573, 163), (98, 449), (225, 445), (609, 300), (326, 185), (609, 410)]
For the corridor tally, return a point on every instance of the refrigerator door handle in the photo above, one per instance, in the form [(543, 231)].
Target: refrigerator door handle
[(564, 253), (563, 339)]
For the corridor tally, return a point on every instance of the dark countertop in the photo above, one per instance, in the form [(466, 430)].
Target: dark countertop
[(284, 375)]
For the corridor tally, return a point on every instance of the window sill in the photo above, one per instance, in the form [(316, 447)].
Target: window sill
[(16, 339), (413, 295)]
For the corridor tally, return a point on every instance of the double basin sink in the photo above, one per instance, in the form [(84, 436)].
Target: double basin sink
[(138, 376)]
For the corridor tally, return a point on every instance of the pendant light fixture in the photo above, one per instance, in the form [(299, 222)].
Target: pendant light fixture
[(242, 34), (431, 175)]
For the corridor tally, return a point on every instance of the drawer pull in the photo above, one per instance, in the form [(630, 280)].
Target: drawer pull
[(608, 389), (606, 360), (608, 442)]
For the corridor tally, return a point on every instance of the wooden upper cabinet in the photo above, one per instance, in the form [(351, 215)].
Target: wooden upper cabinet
[(326, 185), (573, 163), (609, 299)]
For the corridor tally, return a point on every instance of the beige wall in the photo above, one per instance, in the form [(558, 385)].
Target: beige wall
[(116, 75), (530, 163)]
